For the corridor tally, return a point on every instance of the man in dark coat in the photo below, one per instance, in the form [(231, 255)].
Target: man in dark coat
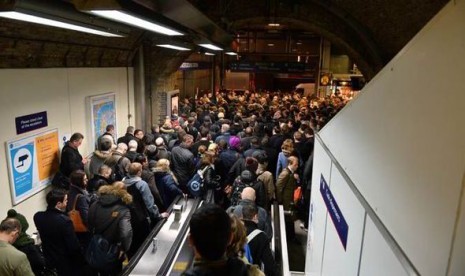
[(59, 242), (71, 159), (182, 162), (128, 136)]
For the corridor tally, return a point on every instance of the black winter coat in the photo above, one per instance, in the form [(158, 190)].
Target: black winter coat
[(59, 242), (71, 160), (260, 249)]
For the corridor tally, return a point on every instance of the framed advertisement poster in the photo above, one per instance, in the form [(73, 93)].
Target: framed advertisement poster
[(32, 163), (102, 113)]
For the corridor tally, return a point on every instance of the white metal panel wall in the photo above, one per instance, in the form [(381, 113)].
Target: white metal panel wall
[(401, 141), (62, 93), (318, 213), (377, 257), (337, 260)]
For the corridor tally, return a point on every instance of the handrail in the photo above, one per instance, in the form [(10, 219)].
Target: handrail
[(148, 241), (276, 243), (165, 267), (284, 254)]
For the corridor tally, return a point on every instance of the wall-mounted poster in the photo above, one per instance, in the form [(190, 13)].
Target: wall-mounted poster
[(32, 163), (103, 113)]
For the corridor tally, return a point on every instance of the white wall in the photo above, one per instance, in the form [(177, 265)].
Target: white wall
[(401, 142), (62, 93)]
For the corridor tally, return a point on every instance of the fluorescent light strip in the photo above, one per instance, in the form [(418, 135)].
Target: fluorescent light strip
[(174, 47), (231, 53), (209, 54), (135, 21), (211, 47), (54, 23)]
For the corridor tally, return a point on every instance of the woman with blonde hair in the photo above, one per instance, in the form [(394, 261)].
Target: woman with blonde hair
[(166, 182), (287, 149)]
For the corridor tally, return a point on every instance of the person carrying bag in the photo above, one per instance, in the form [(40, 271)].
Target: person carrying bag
[(75, 216)]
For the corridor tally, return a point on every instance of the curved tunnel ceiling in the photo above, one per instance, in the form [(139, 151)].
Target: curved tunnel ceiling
[(370, 32)]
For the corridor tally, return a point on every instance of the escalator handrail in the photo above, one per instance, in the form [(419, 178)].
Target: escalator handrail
[(165, 267), (148, 241), (277, 237)]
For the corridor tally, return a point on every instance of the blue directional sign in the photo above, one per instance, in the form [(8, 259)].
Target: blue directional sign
[(335, 213)]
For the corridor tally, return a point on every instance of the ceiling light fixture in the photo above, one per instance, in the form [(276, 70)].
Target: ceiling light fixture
[(54, 23), (211, 46), (126, 18), (231, 53), (209, 54), (274, 24), (174, 47), (270, 44)]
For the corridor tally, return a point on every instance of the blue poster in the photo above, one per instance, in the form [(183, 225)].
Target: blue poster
[(342, 228), (22, 160)]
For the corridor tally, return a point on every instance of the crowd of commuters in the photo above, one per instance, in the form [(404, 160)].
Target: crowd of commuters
[(252, 149)]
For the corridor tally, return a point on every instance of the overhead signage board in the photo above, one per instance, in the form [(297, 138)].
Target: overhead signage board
[(342, 228), (271, 67), (32, 162), (195, 65), (31, 122)]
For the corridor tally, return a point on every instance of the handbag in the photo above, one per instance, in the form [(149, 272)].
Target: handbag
[(76, 218)]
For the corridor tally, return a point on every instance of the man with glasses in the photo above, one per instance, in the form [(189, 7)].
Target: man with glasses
[(12, 261)]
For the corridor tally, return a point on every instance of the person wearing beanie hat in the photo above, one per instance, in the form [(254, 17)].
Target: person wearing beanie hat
[(248, 178), (23, 238), (235, 142), (25, 243), (251, 164)]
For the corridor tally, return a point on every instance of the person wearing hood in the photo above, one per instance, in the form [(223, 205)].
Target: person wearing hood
[(166, 182), (144, 212), (100, 156), (113, 199)]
